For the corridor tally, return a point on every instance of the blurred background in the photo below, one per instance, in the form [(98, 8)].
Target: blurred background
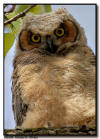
[(84, 14)]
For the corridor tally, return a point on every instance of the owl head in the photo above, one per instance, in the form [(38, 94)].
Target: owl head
[(52, 32)]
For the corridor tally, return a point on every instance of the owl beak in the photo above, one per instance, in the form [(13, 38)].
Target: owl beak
[(50, 45)]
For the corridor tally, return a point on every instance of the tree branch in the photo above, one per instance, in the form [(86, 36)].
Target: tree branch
[(68, 131), (22, 14)]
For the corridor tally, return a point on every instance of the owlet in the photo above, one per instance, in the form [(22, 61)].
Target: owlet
[(54, 73)]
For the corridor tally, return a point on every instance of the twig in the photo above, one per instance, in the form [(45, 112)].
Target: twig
[(19, 15), (10, 10)]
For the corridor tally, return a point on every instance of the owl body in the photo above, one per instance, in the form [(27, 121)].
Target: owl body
[(54, 79)]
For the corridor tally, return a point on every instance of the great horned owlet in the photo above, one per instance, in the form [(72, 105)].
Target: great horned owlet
[(54, 73)]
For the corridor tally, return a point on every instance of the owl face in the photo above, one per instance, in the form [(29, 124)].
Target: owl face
[(52, 32)]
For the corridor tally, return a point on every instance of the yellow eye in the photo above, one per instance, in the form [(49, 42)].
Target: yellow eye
[(35, 38), (59, 32)]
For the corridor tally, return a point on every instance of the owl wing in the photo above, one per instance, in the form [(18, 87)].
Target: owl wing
[(19, 107)]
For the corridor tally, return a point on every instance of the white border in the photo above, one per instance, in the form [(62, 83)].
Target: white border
[(1, 46), (51, 1)]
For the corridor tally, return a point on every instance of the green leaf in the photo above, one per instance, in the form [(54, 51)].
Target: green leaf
[(47, 8), (8, 41), (38, 9), (20, 8)]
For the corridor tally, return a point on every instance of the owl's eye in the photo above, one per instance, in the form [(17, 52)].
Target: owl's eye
[(35, 38), (59, 32)]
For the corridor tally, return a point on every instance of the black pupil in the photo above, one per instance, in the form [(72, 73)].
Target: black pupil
[(35, 37), (59, 31)]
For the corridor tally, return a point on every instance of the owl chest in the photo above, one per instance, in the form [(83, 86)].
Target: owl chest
[(37, 81), (60, 77), (51, 76)]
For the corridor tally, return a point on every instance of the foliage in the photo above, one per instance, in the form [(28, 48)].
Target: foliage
[(11, 30)]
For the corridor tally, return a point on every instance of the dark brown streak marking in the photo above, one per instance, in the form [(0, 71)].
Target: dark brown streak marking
[(20, 41), (19, 108)]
